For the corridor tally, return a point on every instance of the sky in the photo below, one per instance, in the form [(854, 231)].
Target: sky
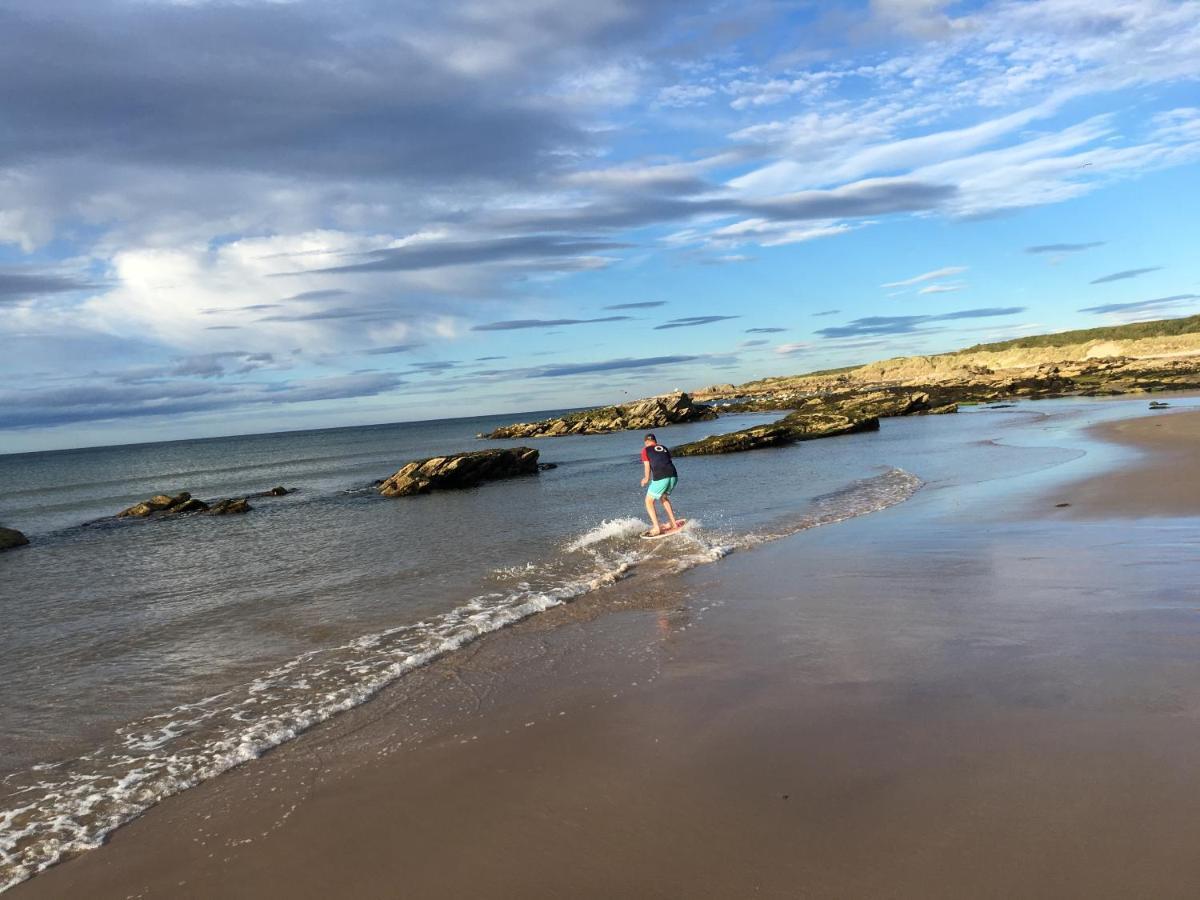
[(238, 217)]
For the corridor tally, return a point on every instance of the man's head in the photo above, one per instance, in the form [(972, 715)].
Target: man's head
[(650, 440)]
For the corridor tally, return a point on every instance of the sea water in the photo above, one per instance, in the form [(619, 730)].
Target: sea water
[(140, 657)]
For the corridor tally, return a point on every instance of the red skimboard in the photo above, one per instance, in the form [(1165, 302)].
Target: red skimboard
[(647, 536)]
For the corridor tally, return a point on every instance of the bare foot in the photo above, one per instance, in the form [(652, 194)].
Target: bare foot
[(654, 532)]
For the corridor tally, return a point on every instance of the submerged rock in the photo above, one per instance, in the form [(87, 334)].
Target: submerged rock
[(1158, 404), (182, 502), (641, 415), (229, 507), (460, 470), (162, 505), (10, 537)]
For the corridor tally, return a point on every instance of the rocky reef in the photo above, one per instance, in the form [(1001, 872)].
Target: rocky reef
[(10, 537), (641, 415), (788, 430), (820, 417), (229, 507), (460, 470), (163, 505), (182, 502)]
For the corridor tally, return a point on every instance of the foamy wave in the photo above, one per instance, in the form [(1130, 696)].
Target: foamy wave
[(606, 531), (57, 809)]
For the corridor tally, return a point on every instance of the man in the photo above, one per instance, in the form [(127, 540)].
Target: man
[(659, 473)]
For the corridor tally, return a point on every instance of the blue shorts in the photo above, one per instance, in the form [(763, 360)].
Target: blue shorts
[(662, 487)]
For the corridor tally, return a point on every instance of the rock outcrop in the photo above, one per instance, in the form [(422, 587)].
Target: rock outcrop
[(641, 415), (798, 426), (182, 502), (827, 415), (460, 470), (10, 537), (162, 505), (716, 390)]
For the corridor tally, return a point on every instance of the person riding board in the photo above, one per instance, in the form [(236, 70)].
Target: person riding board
[(659, 473)]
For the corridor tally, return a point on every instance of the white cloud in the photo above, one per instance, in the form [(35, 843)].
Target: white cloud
[(261, 294), (926, 276), (941, 288), (920, 18), (683, 95)]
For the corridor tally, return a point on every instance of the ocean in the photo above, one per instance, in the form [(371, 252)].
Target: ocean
[(138, 658)]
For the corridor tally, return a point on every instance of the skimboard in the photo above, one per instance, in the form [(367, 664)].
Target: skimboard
[(647, 536)]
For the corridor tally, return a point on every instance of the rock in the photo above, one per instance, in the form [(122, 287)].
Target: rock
[(758, 437), (799, 426), (273, 492), (460, 470), (881, 404), (1159, 404), (714, 391), (182, 502), (10, 537), (641, 415), (546, 467)]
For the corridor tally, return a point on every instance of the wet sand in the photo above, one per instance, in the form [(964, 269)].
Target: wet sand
[(1163, 481), (918, 703)]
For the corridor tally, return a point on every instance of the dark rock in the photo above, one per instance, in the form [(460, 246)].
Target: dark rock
[(641, 415), (162, 505), (1159, 404), (10, 537), (880, 404), (274, 492), (757, 437), (1061, 505), (546, 467), (182, 502), (460, 470), (799, 426)]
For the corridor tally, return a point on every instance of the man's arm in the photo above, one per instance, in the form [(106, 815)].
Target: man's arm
[(645, 472)]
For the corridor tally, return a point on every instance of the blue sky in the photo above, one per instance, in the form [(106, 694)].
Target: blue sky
[(224, 217)]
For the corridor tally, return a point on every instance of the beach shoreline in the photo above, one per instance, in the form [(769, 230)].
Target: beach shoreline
[(899, 705), (1163, 481)]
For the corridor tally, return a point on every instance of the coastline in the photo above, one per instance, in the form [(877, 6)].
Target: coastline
[(958, 711), (1163, 481)]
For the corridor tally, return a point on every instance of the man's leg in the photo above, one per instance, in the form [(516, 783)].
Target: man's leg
[(666, 502), (654, 529)]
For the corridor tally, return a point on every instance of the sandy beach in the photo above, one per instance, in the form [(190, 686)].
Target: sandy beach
[(1164, 481), (925, 702)]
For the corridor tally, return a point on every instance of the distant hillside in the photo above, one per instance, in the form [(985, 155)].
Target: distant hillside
[(1136, 331), (1164, 345)]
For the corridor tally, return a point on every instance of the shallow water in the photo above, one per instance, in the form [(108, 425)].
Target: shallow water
[(139, 657)]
